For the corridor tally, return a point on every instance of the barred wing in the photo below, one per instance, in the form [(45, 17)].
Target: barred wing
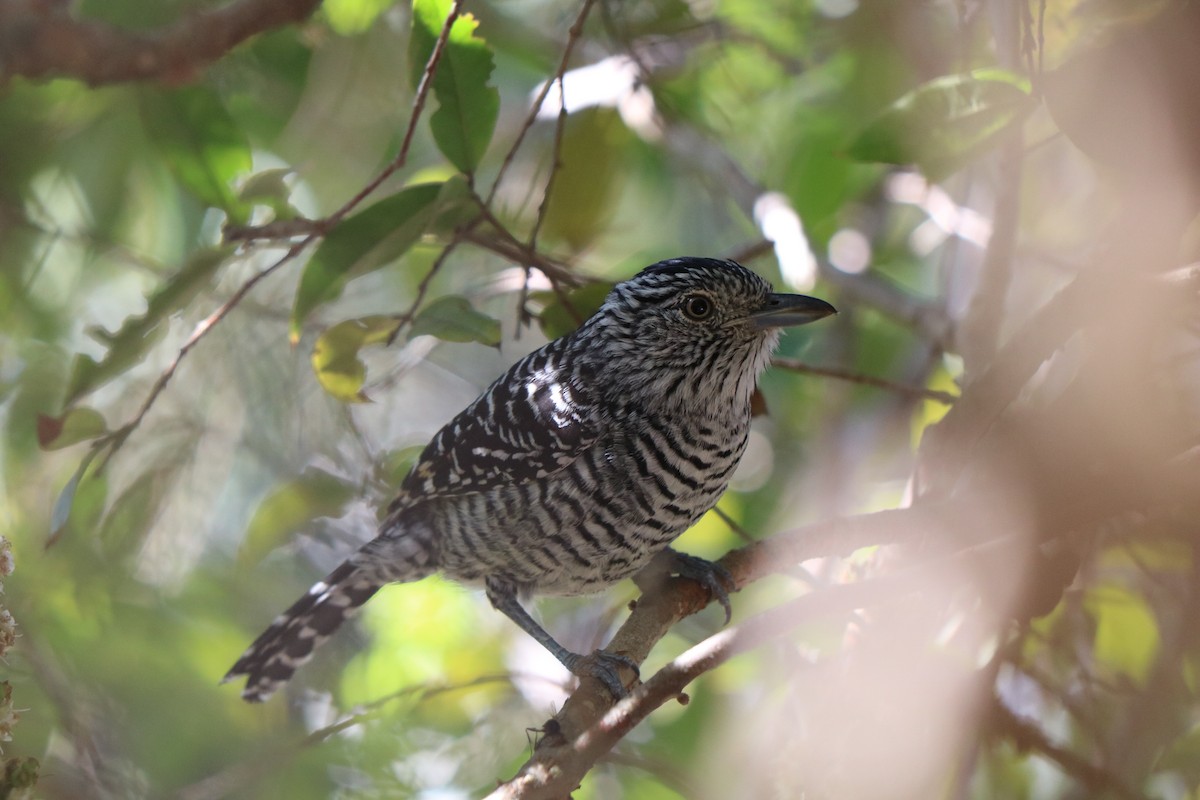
[(532, 422)]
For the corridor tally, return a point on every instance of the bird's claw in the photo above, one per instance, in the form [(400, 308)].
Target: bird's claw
[(603, 666), (710, 575)]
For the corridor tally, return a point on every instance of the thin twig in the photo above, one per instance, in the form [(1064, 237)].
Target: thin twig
[(573, 35), (517, 251), (610, 27), (524, 317), (525, 256), (555, 272), (555, 277), (275, 229), (423, 287), (422, 95), (752, 251), (914, 392), (734, 525), (560, 125), (117, 438)]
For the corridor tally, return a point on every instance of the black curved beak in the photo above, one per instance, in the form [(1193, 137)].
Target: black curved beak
[(782, 310)]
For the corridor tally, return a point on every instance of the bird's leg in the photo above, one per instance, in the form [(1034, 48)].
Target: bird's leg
[(601, 664), (709, 574)]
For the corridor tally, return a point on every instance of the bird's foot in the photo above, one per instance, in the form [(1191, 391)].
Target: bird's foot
[(603, 666), (710, 575)]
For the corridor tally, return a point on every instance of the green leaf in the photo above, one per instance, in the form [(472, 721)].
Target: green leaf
[(291, 507), (363, 243), (201, 142), (348, 17), (452, 319), (138, 334), (467, 106), (77, 425), (942, 125), (558, 320), (456, 206), (594, 160), (267, 185), (268, 188), (1127, 638), (65, 502), (335, 355)]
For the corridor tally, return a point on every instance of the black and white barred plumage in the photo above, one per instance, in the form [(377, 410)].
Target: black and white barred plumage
[(576, 467)]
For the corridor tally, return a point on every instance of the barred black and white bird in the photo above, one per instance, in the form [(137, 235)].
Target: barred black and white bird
[(575, 468)]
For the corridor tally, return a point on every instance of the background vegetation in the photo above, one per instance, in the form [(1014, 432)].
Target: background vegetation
[(252, 253)]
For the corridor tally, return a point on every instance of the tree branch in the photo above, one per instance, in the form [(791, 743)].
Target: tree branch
[(44, 40), (589, 725)]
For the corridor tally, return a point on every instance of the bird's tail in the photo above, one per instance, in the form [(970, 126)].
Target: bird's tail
[(291, 639)]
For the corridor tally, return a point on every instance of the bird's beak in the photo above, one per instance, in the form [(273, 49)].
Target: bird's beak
[(782, 310)]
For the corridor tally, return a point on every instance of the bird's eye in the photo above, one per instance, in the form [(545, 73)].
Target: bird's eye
[(698, 307)]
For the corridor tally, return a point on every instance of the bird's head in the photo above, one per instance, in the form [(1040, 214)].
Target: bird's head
[(688, 327)]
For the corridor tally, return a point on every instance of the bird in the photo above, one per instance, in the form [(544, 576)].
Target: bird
[(575, 469)]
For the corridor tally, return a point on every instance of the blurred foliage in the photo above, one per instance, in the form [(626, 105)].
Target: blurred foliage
[(132, 217), (942, 125)]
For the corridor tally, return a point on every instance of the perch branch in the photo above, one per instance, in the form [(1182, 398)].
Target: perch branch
[(589, 725), (543, 775), (44, 40)]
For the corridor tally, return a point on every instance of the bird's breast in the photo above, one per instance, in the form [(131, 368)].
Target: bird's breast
[(638, 486)]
